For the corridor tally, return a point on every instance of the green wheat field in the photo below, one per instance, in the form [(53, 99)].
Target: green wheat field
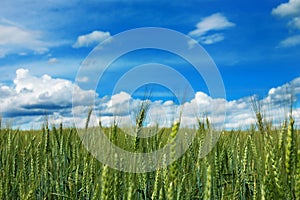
[(262, 162)]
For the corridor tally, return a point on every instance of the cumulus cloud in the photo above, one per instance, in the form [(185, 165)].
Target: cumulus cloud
[(17, 39), (290, 10), (239, 113), (283, 93), (91, 39), (290, 41), (31, 95), (215, 22), (30, 98)]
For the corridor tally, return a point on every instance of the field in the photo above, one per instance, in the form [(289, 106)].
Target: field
[(260, 163)]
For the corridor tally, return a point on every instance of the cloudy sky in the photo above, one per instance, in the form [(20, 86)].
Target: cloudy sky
[(254, 44)]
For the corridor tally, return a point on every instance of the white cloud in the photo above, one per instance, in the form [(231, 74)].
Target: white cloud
[(30, 98), (290, 41), (295, 23), (31, 95), (210, 39), (91, 39), (215, 22), (239, 112), (16, 39), (291, 8), (52, 60)]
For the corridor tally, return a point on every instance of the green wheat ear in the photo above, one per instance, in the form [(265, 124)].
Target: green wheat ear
[(88, 118), (175, 129), (207, 191), (106, 189), (140, 118), (289, 148), (155, 192), (298, 176)]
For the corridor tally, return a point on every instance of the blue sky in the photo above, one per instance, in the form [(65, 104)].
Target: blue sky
[(254, 44)]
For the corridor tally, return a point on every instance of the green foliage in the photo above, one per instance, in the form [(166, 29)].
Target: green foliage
[(53, 164)]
